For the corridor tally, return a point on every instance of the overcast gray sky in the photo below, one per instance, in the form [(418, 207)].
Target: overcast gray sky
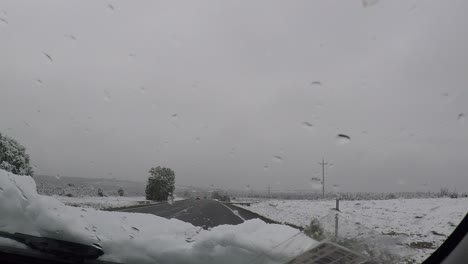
[(216, 89)]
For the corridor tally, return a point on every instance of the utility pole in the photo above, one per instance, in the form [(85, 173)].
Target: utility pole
[(323, 177)]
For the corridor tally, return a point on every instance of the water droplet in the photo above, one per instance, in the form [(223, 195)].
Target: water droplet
[(3, 21), (307, 125), (142, 90), (132, 55), (109, 173), (364, 132), (336, 188), (70, 36), (48, 56), (38, 110), (368, 3), (342, 139), (278, 158), (315, 183), (57, 177), (331, 164), (86, 130), (232, 153), (461, 117), (39, 82), (91, 163), (27, 124), (316, 84), (175, 117), (266, 167), (447, 97), (107, 96), (197, 140), (110, 7)]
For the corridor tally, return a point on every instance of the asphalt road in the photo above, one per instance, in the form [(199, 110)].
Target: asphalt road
[(205, 213)]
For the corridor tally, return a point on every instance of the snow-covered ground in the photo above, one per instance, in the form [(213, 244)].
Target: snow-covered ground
[(101, 202), (142, 238), (80, 187), (398, 221), (104, 202)]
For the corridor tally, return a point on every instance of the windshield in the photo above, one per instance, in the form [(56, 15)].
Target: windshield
[(234, 132)]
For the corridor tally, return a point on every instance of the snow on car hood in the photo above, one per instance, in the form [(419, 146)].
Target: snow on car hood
[(143, 238)]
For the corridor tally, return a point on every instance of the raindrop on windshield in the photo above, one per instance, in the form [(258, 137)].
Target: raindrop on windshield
[(197, 140), (232, 153), (175, 117), (278, 158), (315, 183), (336, 188), (342, 139), (39, 82), (48, 57), (461, 117), (316, 84), (107, 96), (57, 177), (110, 7), (3, 20), (367, 3), (142, 90), (307, 125), (72, 37), (266, 167)]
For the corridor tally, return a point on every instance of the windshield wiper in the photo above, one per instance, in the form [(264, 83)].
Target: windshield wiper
[(56, 247)]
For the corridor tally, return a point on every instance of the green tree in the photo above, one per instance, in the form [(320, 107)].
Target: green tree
[(161, 184), (13, 157)]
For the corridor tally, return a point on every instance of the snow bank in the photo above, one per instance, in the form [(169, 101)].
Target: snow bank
[(406, 221), (143, 238)]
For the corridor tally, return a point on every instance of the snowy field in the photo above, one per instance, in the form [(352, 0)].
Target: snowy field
[(81, 187), (142, 238), (421, 225), (101, 202), (104, 202)]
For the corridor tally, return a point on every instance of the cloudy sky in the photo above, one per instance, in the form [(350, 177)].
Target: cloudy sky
[(232, 93)]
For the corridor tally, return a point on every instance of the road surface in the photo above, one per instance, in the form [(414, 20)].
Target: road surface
[(205, 213)]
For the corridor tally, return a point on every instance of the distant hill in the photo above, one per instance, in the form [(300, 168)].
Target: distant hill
[(79, 187)]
